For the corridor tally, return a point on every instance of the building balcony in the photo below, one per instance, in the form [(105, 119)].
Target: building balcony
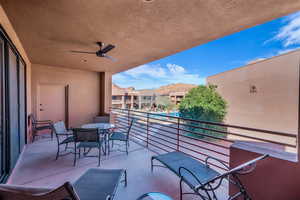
[(154, 134)]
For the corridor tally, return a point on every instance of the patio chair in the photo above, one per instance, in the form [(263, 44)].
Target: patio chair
[(86, 138), (121, 136), (63, 136), (9, 192), (40, 125), (94, 184), (201, 178)]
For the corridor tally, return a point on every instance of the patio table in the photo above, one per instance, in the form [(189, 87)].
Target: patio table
[(103, 128)]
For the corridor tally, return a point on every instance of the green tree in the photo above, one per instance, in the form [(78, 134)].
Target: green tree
[(204, 103)]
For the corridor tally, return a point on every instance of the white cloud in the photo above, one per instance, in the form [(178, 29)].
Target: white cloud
[(289, 34), (153, 76), (175, 69), (255, 60), (283, 51), (149, 70)]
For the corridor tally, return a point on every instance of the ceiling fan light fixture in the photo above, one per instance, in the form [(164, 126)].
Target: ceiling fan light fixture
[(147, 1)]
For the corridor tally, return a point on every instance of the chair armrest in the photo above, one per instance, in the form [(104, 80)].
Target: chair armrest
[(24, 189), (181, 169), (43, 122), (215, 159), (49, 121)]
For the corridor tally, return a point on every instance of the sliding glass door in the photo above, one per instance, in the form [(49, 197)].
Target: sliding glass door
[(12, 105), (2, 111)]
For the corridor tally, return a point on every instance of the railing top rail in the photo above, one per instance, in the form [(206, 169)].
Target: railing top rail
[(217, 124)]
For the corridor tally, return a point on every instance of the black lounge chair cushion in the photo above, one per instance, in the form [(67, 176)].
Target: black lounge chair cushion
[(118, 136), (68, 140), (97, 184), (89, 145), (175, 160)]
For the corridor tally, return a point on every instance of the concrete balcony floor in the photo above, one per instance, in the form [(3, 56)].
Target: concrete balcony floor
[(37, 167)]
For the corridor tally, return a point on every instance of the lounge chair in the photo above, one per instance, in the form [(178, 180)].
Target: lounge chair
[(94, 184), (203, 179)]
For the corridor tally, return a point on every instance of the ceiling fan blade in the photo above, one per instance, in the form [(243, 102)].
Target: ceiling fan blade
[(87, 52), (110, 58), (107, 48)]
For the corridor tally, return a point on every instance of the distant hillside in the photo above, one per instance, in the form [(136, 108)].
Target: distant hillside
[(166, 89)]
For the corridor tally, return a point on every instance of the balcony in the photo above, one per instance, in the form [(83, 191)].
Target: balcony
[(151, 134), (38, 167)]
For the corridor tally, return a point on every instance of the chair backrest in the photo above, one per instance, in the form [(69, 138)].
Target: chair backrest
[(129, 128), (239, 169), (64, 192), (86, 135), (32, 118), (59, 127)]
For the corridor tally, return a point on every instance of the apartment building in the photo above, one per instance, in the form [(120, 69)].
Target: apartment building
[(141, 99)]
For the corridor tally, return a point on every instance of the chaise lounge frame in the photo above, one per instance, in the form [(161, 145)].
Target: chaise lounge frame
[(201, 178)]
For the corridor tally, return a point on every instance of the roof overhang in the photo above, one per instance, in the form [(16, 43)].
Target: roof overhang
[(142, 31)]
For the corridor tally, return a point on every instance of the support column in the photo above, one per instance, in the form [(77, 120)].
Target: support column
[(140, 101), (131, 101), (123, 102), (105, 92)]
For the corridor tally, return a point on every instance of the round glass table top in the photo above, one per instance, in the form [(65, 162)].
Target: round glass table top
[(99, 125), (154, 196)]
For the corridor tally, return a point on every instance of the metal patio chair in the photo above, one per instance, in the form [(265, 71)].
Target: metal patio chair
[(9, 192), (63, 136), (94, 184), (201, 178), (40, 125), (121, 136), (86, 138)]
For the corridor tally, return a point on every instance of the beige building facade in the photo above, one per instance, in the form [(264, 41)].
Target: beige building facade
[(263, 95)]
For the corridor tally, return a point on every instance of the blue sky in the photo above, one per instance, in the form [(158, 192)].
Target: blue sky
[(194, 65)]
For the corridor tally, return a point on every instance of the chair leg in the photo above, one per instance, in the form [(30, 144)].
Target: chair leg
[(79, 153), (57, 154), (180, 187), (75, 155), (108, 148), (151, 164), (33, 137), (51, 134), (99, 156), (125, 174)]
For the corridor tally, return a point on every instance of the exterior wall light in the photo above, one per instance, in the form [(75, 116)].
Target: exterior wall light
[(253, 89)]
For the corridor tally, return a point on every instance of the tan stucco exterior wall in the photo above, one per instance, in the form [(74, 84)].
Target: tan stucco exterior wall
[(5, 23), (274, 105), (83, 94)]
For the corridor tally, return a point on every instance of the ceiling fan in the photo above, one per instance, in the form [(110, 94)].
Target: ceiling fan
[(101, 52)]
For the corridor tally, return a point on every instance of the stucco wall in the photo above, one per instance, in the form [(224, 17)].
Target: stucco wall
[(84, 90), (5, 23), (274, 105)]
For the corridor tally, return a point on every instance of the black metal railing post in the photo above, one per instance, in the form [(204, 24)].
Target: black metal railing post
[(178, 127), (147, 140), (128, 116)]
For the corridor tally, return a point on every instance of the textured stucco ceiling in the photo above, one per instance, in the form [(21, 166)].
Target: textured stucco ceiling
[(142, 31)]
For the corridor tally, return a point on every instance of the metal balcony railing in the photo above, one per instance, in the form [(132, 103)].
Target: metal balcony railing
[(197, 138)]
